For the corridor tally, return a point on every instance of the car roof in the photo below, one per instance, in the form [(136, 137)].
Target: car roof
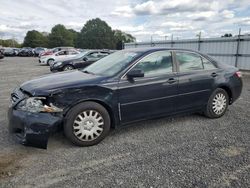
[(153, 49)]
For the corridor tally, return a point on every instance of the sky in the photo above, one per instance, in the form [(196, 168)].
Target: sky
[(159, 19)]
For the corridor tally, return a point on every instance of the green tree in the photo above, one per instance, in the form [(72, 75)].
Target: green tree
[(35, 39), (74, 35), (9, 43), (227, 35), (60, 36), (96, 34), (121, 38)]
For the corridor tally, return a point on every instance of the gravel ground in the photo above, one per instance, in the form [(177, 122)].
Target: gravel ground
[(187, 151)]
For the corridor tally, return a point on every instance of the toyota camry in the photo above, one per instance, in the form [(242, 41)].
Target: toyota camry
[(127, 86)]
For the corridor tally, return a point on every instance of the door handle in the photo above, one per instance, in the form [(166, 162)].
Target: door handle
[(171, 80), (214, 74)]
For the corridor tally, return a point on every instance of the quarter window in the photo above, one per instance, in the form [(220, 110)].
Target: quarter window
[(189, 61), (158, 63)]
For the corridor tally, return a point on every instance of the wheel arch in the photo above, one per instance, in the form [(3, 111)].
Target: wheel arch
[(229, 92), (105, 105), (50, 59), (69, 64)]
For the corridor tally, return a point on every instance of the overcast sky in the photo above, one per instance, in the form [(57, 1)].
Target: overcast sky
[(141, 18)]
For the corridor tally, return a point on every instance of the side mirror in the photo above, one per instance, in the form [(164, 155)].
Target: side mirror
[(135, 73), (85, 59)]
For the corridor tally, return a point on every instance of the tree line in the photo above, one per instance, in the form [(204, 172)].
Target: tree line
[(95, 34)]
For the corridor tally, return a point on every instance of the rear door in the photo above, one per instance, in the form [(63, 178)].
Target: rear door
[(196, 77), (61, 55), (151, 95)]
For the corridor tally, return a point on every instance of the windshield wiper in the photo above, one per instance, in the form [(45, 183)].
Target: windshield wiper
[(87, 72)]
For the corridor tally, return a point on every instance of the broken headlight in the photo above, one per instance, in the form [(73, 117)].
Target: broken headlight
[(36, 104)]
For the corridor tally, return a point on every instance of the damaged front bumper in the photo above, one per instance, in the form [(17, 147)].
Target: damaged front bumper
[(33, 129)]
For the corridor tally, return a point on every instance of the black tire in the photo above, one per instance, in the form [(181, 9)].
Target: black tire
[(210, 111), (49, 61), (72, 115), (68, 67)]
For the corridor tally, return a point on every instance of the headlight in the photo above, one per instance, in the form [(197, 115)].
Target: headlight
[(35, 104), (57, 64)]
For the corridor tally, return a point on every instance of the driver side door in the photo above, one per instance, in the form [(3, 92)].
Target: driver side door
[(151, 95)]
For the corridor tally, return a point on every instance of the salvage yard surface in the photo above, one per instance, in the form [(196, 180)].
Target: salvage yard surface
[(187, 151)]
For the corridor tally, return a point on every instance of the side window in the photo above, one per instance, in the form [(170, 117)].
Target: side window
[(158, 63), (103, 54), (72, 52), (62, 53), (93, 55), (188, 61), (207, 64)]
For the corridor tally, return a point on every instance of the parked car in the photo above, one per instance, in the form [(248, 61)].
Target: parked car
[(54, 50), (124, 87), (9, 52), (58, 56), (1, 54), (16, 51), (80, 61), (26, 52), (39, 50)]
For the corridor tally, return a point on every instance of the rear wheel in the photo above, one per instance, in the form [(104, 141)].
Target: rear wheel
[(87, 124), (217, 104), (68, 67)]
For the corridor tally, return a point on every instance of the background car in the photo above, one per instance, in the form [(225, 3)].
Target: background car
[(54, 50), (9, 52), (80, 61), (1, 54), (39, 50), (16, 50), (26, 52), (61, 55)]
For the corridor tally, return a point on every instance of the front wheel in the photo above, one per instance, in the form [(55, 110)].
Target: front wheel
[(87, 124), (68, 67), (50, 61), (217, 104)]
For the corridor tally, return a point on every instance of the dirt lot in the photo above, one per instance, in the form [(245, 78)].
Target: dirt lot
[(189, 151)]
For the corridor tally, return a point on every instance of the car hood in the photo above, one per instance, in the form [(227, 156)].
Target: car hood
[(46, 85)]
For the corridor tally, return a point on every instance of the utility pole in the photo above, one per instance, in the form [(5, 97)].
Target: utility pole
[(237, 49), (172, 40), (199, 41), (166, 38)]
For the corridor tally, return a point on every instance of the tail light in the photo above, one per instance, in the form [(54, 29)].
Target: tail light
[(238, 74)]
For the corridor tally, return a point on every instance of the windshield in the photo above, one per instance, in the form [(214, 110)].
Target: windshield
[(112, 64), (80, 55)]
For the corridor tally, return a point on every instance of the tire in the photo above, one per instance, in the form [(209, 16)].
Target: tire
[(68, 67), (50, 61), (217, 104), (77, 129)]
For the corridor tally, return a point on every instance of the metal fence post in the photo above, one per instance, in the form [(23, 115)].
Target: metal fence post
[(199, 42), (237, 49), (172, 40)]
